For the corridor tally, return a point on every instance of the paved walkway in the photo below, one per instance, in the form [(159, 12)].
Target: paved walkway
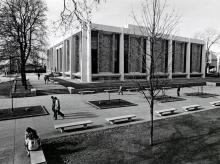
[(76, 108)]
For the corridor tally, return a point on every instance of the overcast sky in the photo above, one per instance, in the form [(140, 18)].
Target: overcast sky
[(196, 15)]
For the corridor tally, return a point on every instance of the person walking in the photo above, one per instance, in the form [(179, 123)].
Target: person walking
[(57, 108), (53, 107), (45, 79), (38, 75), (120, 90), (178, 91)]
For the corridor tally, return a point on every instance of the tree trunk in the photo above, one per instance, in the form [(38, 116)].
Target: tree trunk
[(152, 122), (23, 74), (152, 93)]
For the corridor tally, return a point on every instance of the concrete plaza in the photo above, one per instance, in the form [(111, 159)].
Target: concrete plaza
[(76, 108)]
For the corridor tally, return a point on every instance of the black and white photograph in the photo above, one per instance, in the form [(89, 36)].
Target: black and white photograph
[(109, 82)]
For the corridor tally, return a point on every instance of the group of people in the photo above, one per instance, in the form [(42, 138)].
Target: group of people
[(32, 140), (56, 107), (46, 79)]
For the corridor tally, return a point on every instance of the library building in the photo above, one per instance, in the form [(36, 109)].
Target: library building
[(121, 53)]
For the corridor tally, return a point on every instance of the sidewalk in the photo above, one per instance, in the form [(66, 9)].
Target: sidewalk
[(76, 108)]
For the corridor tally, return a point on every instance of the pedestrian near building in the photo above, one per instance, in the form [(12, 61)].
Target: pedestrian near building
[(57, 108), (178, 91), (38, 76), (53, 106), (120, 91), (46, 79)]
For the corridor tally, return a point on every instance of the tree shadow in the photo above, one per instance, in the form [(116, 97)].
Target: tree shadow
[(80, 115)]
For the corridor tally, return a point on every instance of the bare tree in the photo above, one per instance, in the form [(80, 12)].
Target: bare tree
[(211, 37), (23, 23), (77, 13), (156, 24)]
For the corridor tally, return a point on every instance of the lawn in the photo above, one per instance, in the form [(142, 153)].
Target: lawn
[(191, 138), (5, 89), (22, 112), (201, 95), (113, 103)]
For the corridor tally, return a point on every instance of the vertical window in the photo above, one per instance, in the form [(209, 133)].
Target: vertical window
[(195, 57), (126, 51)]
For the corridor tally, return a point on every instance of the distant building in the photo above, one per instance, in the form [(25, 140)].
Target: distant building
[(114, 53)]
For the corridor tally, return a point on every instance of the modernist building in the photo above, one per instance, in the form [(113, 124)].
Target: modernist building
[(107, 52)]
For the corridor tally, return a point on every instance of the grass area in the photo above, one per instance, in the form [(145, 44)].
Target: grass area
[(52, 91), (201, 94), (165, 98), (5, 88), (112, 103), (191, 138), (22, 112)]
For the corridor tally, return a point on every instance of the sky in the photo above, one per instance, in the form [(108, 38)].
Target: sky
[(195, 15)]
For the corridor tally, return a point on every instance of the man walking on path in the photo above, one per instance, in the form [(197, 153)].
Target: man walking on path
[(46, 79), (53, 107), (38, 75), (57, 108), (178, 91), (120, 90)]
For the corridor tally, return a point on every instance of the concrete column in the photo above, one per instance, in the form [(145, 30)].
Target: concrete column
[(170, 58), (203, 64), (121, 56), (57, 60), (66, 63), (72, 55), (217, 66), (54, 59), (63, 58), (188, 59), (148, 58), (85, 56)]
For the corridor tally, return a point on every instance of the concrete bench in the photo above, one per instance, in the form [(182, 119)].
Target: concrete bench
[(215, 103), (191, 107), (51, 81), (86, 92), (166, 111), (132, 89), (111, 90), (71, 89), (33, 90), (37, 157), (112, 120), (71, 124)]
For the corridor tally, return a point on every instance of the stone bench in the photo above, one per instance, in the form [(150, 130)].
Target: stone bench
[(215, 103), (191, 107), (166, 111), (111, 90), (34, 91), (71, 124), (37, 157), (112, 120), (86, 92), (132, 89)]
